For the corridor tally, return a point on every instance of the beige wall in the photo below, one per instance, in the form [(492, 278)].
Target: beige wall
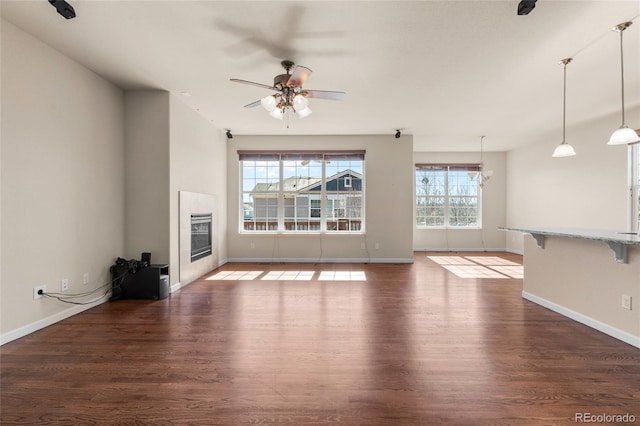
[(588, 190), (147, 176), (388, 200), (62, 177), (169, 148), (580, 279), (198, 164), (87, 177), (493, 207)]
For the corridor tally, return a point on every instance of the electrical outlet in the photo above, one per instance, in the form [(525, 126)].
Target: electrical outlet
[(85, 278), (64, 284), (626, 301), (377, 246), (252, 245), (36, 289)]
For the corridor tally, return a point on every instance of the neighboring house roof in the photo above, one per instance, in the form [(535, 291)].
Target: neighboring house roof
[(294, 183), (303, 183)]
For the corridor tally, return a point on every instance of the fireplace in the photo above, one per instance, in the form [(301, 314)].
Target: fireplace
[(199, 249), (200, 236)]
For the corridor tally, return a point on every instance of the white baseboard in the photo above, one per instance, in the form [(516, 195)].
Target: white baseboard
[(323, 260), (588, 321), (520, 252), (175, 287), (45, 322), (464, 249)]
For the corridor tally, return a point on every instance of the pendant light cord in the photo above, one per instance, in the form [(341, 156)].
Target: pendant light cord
[(564, 99), (564, 102), (622, 76)]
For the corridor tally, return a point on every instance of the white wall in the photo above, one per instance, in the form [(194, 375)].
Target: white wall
[(588, 190), (198, 164), (493, 206), (62, 177), (388, 201)]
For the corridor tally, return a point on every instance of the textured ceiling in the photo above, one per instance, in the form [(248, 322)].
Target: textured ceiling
[(444, 71)]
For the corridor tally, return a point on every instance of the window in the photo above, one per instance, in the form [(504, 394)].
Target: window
[(302, 191), (447, 196)]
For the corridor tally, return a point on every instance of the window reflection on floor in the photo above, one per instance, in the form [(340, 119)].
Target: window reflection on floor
[(342, 276), (480, 266), (235, 275), (288, 275)]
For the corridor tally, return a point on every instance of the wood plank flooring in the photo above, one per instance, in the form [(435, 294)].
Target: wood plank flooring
[(414, 344)]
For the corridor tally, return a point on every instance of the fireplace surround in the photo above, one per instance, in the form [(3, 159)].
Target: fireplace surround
[(199, 249)]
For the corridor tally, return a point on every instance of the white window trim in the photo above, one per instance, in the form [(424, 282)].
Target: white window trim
[(323, 204), (446, 202)]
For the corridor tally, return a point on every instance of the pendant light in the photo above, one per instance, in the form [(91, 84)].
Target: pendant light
[(564, 149), (623, 135), (481, 175)]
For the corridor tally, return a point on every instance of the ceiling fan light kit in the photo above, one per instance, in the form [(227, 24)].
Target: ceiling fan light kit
[(290, 96)]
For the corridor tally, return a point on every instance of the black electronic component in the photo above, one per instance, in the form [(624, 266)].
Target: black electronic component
[(526, 6), (63, 8)]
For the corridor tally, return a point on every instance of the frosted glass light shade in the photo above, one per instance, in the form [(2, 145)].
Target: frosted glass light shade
[(268, 103), (300, 102), (304, 112), (623, 136), (277, 114), (564, 150)]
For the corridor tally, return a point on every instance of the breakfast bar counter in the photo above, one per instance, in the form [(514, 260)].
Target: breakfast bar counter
[(575, 273)]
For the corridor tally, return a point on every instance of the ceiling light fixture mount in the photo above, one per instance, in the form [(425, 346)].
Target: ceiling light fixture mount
[(564, 149), (624, 135)]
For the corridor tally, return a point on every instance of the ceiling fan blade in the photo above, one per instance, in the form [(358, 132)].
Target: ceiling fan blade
[(325, 94), (235, 80), (253, 104), (299, 76)]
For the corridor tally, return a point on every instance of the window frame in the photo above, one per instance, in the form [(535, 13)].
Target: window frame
[(446, 204), (323, 195)]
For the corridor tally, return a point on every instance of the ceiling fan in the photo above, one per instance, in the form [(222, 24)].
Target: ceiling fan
[(290, 96)]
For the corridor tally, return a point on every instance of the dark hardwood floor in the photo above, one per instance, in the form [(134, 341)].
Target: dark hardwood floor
[(412, 345)]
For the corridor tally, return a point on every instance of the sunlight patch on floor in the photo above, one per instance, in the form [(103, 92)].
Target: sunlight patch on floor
[(342, 276), (289, 276), (480, 266), (451, 260), (235, 275), (504, 266), (473, 271)]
